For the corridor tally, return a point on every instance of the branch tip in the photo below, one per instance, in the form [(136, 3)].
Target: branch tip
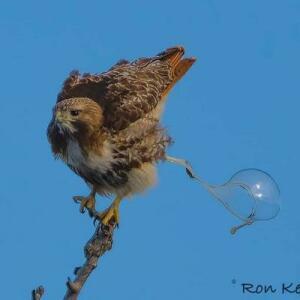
[(38, 293), (96, 246)]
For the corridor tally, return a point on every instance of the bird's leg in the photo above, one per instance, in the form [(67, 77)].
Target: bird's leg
[(87, 202), (110, 213)]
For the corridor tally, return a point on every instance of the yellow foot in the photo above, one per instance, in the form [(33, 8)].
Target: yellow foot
[(110, 214), (86, 203)]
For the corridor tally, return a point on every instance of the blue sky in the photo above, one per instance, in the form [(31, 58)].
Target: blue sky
[(238, 107)]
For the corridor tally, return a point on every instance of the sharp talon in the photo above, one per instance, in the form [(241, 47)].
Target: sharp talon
[(92, 212), (95, 220), (86, 203), (110, 216)]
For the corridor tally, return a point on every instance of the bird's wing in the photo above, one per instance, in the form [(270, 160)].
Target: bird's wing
[(129, 91)]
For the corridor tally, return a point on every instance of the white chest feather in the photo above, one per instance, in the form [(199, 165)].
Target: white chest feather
[(92, 161), (138, 178)]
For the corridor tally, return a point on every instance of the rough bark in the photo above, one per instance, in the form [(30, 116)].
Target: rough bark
[(97, 245)]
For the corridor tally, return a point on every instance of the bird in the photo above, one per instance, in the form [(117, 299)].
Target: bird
[(106, 127)]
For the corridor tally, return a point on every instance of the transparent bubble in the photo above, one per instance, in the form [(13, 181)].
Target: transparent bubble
[(250, 194)]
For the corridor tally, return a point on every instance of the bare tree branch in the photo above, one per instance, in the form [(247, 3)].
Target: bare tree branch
[(98, 244), (38, 293)]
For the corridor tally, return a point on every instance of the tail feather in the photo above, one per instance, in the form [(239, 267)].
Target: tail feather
[(172, 55), (182, 67), (179, 66)]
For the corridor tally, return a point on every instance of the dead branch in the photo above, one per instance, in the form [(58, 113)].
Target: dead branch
[(37, 293), (98, 244)]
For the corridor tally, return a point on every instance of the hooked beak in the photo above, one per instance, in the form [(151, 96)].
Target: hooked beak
[(59, 117), (63, 122)]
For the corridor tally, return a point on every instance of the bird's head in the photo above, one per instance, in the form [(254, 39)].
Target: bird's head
[(77, 116)]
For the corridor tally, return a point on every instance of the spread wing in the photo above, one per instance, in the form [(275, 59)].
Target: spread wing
[(129, 90)]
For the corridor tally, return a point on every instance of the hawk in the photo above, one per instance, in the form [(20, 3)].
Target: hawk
[(106, 127)]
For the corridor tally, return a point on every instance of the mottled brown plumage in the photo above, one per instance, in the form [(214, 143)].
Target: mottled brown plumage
[(105, 127)]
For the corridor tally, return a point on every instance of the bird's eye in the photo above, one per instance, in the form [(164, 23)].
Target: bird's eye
[(74, 113)]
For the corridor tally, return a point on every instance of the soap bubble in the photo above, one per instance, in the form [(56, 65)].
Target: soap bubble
[(258, 188), (250, 194)]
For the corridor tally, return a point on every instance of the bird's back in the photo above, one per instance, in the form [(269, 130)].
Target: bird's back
[(130, 90)]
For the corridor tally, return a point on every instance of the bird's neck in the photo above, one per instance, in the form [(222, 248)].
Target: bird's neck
[(91, 142)]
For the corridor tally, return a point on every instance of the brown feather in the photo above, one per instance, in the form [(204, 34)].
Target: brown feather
[(128, 91), (106, 128)]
